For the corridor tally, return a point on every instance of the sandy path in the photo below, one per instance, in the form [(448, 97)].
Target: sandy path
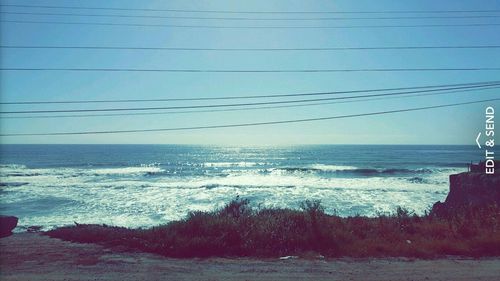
[(29, 256)]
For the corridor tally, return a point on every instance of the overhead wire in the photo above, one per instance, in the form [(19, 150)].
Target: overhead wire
[(204, 98), (368, 97), (485, 83), (248, 18), (249, 70), (252, 26), (247, 124), (246, 12), (246, 108), (234, 104)]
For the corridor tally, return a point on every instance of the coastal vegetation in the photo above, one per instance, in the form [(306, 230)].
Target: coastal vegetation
[(238, 230)]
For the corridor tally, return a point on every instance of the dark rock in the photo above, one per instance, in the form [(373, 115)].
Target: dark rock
[(7, 224), (470, 190), (34, 228), (439, 209)]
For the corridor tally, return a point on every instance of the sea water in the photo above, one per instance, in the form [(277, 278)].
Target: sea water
[(147, 185)]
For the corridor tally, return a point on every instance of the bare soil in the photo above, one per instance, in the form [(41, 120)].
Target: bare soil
[(32, 256)]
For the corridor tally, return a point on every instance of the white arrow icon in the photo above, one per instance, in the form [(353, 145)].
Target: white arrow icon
[(477, 140)]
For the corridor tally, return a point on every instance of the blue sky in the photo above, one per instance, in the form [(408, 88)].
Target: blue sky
[(457, 125)]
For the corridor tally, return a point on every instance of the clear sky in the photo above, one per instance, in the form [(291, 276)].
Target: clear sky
[(457, 125)]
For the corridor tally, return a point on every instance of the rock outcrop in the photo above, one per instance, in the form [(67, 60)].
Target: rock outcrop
[(474, 189), (7, 224)]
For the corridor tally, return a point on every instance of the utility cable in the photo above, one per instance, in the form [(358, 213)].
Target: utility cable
[(234, 104), (248, 124), (245, 108), (252, 26), (249, 70), (247, 12), (485, 83), (249, 18)]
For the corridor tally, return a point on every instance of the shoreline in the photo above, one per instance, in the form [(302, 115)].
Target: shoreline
[(32, 256)]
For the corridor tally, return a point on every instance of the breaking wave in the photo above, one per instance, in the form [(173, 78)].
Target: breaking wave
[(146, 195), (356, 171)]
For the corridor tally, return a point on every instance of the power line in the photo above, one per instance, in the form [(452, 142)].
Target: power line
[(249, 18), (485, 83), (251, 49), (247, 124), (247, 12), (251, 27), (249, 70), (244, 109), (237, 104)]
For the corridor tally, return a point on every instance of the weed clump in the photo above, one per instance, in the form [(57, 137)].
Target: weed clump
[(237, 230)]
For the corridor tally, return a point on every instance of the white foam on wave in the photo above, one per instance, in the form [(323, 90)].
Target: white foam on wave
[(442, 174), (126, 198), (21, 171), (126, 170), (12, 166), (324, 167)]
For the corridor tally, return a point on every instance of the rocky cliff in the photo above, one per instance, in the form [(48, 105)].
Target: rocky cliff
[(471, 189)]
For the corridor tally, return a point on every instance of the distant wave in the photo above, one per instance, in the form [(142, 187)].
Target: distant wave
[(127, 170), (243, 186), (211, 186), (13, 183), (324, 167), (354, 170), (23, 174), (12, 166), (417, 180), (23, 171), (392, 171), (20, 173)]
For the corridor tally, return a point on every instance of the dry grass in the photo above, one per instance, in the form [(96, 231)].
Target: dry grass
[(238, 230)]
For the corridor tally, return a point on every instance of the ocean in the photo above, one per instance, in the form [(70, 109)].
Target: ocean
[(148, 185)]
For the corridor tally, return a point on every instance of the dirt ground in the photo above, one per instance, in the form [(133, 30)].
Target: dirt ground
[(31, 256)]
